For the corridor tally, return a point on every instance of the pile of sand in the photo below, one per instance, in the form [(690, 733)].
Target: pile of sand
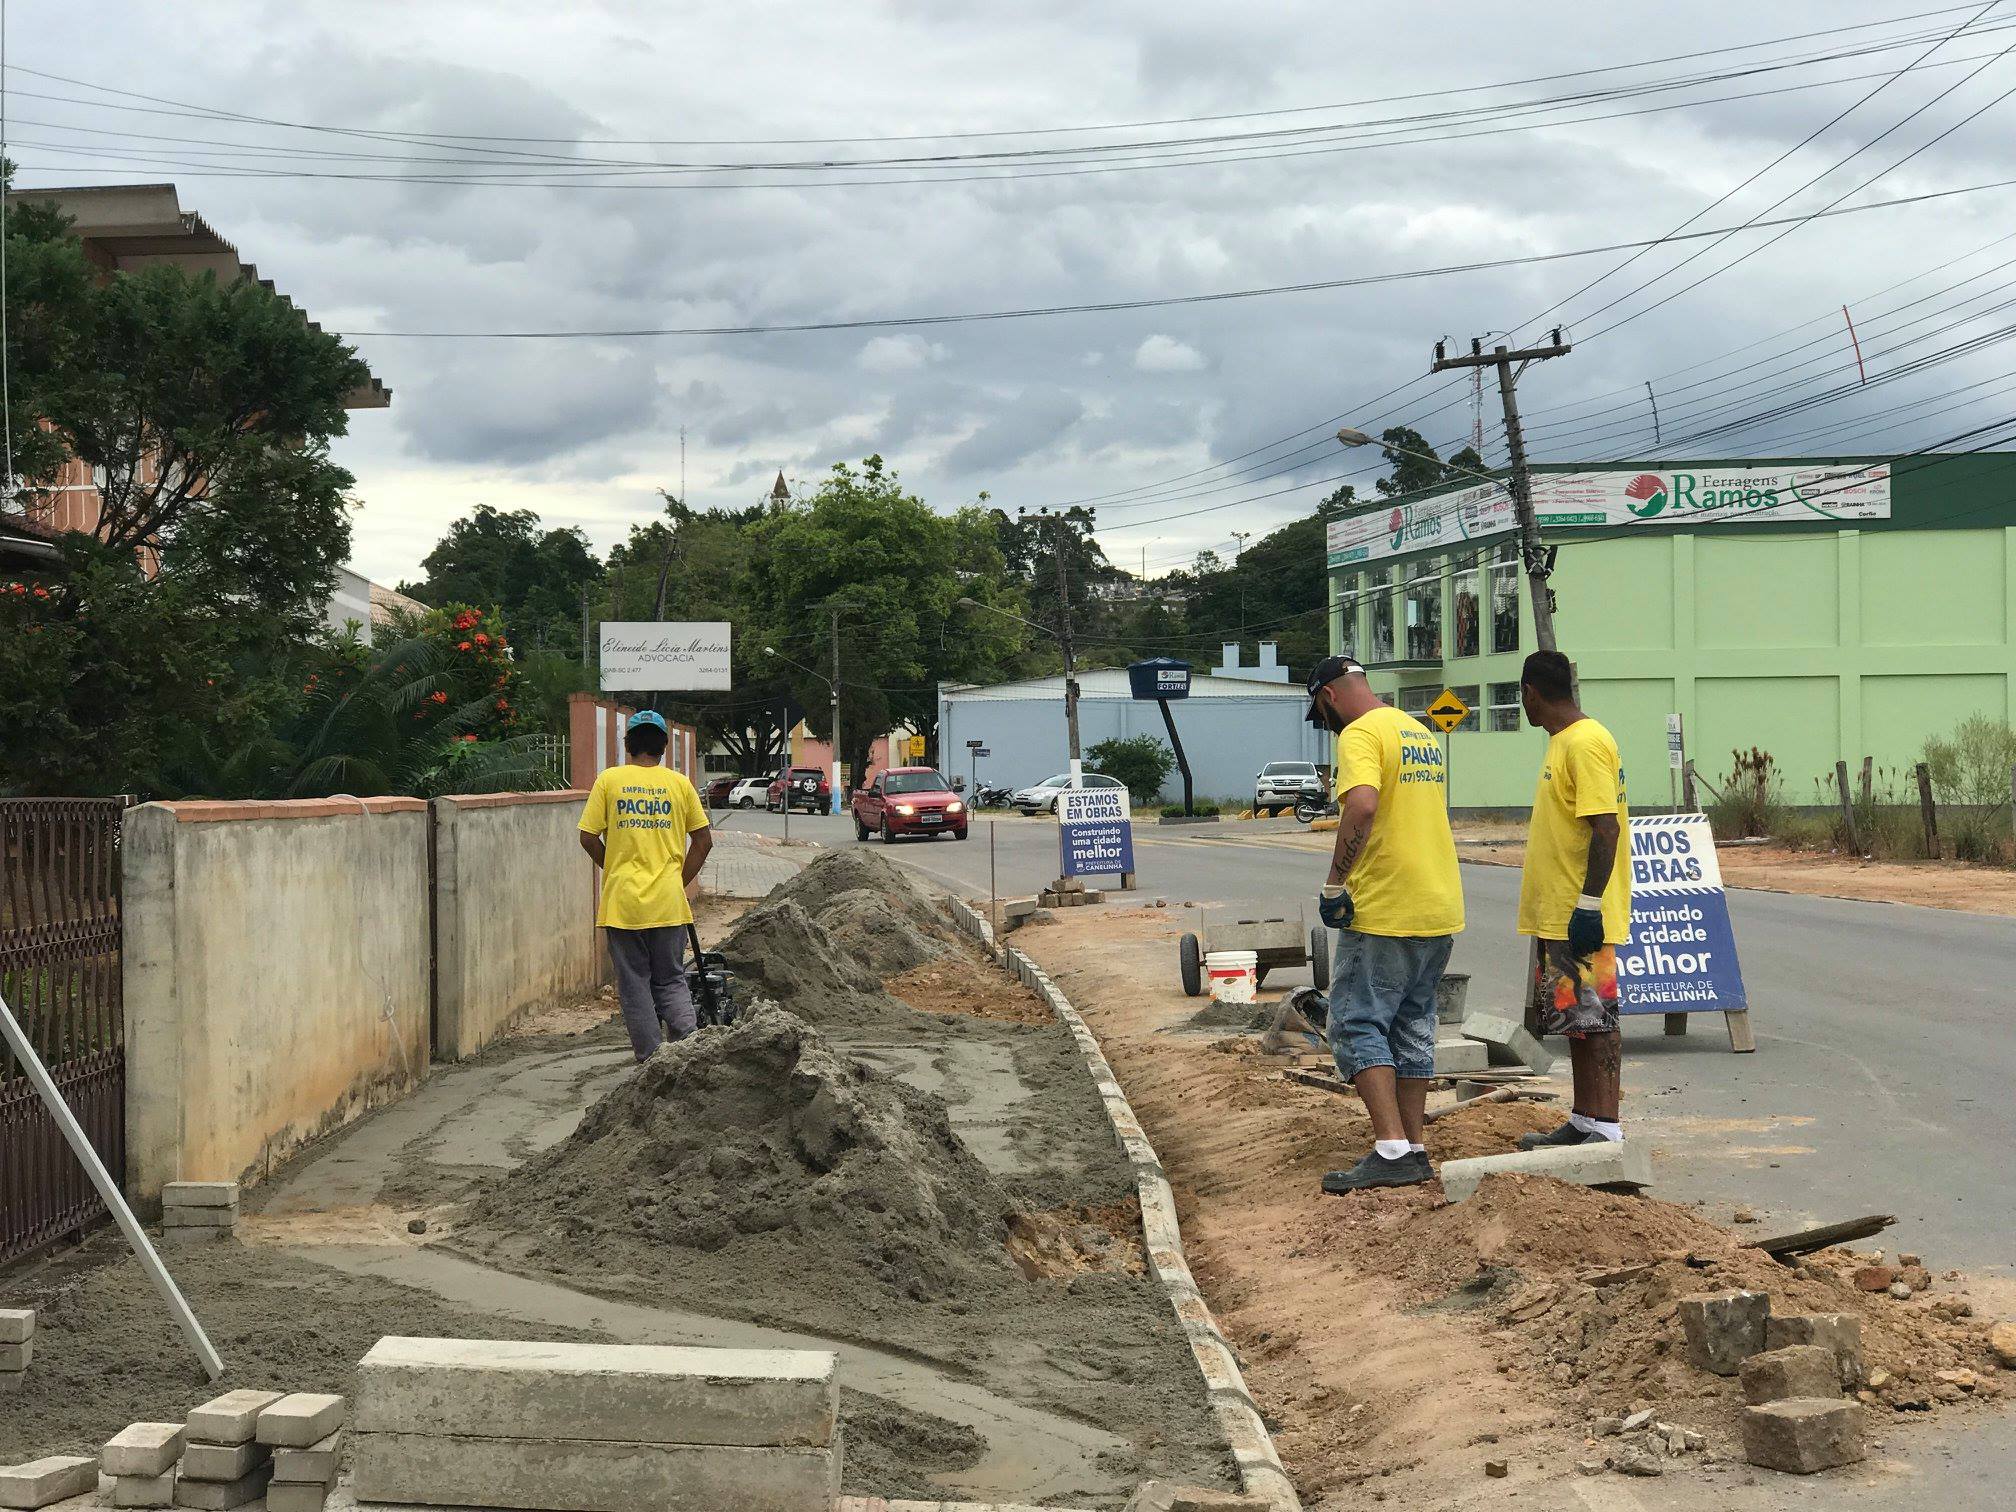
[(822, 943), (763, 1145)]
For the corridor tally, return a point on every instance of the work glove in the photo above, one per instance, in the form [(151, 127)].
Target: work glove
[(1585, 927), (1335, 907)]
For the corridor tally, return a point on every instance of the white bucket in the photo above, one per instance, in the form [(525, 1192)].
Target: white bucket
[(1234, 975)]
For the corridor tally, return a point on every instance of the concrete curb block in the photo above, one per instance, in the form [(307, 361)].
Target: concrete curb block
[(1260, 1470)]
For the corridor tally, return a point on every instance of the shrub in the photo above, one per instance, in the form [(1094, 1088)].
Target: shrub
[(1749, 803), (1141, 762), (1970, 772)]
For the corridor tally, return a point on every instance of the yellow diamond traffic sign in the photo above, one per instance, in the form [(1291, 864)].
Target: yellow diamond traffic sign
[(1448, 711)]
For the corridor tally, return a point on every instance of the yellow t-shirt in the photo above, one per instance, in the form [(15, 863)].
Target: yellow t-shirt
[(1406, 881), (644, 815), (1582, 775)]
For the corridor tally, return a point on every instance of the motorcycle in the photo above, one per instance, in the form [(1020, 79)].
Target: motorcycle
[(1309, 808), (991, 795)]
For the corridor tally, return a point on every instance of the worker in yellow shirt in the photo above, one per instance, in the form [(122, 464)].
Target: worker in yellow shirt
[(645, 827), (1575, 896), (1396, 899)]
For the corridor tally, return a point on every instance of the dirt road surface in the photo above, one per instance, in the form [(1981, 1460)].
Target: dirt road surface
[(1397, 1345)]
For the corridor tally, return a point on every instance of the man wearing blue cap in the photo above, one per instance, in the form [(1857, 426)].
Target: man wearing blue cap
[(645, 827)]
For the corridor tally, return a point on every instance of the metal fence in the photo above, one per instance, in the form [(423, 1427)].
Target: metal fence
[(60, 973)]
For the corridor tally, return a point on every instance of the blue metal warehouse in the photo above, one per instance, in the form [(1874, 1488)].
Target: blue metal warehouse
[(1230, 727)]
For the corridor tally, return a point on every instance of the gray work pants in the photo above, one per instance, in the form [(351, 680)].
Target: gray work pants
[(651, 984)]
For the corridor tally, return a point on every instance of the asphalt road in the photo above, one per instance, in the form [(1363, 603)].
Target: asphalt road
[(1885, 1054), (1881, 1084)]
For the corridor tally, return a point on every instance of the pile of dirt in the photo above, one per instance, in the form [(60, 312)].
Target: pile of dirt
[(833, 874), (1580, 1289), (763, 1144), (952, 984), (785, 954)]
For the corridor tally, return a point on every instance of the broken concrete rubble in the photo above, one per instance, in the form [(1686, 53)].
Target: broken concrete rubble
[(1802, 1437), (1724, 1330), (1798, 1370)]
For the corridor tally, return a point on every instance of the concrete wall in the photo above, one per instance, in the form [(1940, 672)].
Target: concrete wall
[(514, 914), (276, 978)]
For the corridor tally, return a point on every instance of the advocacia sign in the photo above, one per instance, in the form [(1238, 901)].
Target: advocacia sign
[(1608, 500), (1682, 953), (663, 657)]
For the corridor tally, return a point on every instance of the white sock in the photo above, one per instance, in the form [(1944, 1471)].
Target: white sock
[(1588, 1125), (1418, 1149), (1390, 1149)]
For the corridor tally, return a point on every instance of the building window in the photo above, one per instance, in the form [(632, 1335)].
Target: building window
[(1424, 612), (1344, 610), (1469, 693), (1415, 701), (1379, 630), (1505, 599), (1503, 711), (1465, 609)]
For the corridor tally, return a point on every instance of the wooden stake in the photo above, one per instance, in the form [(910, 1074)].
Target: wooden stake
[(1928, 811), (1868, 781), (1847, 807)]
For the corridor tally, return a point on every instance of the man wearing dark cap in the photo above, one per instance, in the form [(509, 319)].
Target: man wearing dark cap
[(1395, 898)]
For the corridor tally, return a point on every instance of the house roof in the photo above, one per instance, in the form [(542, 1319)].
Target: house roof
[(127, 226)]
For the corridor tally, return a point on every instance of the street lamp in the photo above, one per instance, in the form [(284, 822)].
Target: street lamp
[(833, 687), (1070, 679), (1351, 436)]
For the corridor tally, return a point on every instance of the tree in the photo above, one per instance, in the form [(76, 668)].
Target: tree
[(895, 571), (1141, 762), (503, 559), (205, 410)]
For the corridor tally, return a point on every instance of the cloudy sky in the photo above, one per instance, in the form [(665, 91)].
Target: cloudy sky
[(1445, 134)]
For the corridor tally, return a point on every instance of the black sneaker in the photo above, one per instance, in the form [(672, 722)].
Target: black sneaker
[(1566, 1135), (1375, 1170)]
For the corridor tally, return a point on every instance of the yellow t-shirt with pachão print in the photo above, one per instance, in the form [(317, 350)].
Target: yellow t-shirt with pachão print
[(1406, 881), (643, 814), (1582, 775)]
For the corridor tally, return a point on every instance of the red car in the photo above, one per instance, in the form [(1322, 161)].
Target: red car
[(908, 801), (716, 794), (808, 788)]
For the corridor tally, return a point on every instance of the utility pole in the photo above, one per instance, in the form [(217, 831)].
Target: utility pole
[(838, 805), (1045, 520), (587, 656), (1530, 549)]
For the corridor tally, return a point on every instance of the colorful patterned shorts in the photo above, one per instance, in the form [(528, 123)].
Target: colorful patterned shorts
[(1578, 998)]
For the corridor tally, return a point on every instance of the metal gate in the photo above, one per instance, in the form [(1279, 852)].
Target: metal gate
[(60, 973)]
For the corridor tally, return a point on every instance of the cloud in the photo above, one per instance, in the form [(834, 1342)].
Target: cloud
[(1165, 354), (1035, 418), (897, 354)]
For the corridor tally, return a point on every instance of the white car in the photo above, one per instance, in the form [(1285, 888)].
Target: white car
[(749, 792), (1041, 798), (1283, 784)]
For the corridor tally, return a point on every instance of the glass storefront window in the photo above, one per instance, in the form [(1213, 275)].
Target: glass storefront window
[(1505, 599), (1465, 610), (1503, 711), (1424, 612), (1469, 693), (1379, 631)]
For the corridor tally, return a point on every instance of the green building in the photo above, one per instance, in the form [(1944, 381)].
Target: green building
[(1820, 610)]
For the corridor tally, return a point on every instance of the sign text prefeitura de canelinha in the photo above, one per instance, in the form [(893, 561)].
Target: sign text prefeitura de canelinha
[(644, 657)]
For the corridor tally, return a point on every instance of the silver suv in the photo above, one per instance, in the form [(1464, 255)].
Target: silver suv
[(1281, 784)]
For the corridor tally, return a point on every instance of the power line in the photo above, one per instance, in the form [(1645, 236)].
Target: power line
[(1108, 306), (214, 113)]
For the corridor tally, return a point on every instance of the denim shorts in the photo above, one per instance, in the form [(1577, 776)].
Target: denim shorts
[(1382, 1001)]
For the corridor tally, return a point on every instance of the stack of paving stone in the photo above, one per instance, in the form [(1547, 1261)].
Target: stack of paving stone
[(141, 1460), (46, 1482), (596, 1428), (223, 1463), (198, 1212), (17, 1344), (304, 1432)]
